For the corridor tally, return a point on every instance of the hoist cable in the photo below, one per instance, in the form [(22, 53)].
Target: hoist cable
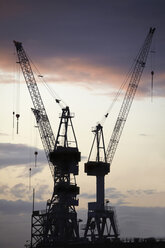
[(117, 95), (153, 51), (14, 91), (49, 89)]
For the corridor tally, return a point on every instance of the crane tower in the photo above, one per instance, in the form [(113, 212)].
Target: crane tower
[(101, 222), (58, 222)]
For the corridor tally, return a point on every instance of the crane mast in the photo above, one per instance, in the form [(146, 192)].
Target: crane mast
[(129, 96), (58, 222), (101, 221)]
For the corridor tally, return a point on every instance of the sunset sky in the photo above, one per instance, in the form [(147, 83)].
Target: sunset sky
[(83, 49)]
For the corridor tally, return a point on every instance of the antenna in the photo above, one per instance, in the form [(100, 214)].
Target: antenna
[(33, 199)]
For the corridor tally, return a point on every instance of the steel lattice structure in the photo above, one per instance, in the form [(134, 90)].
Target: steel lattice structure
[(58, 223), (101, 221), (46, 133), (135, 76)]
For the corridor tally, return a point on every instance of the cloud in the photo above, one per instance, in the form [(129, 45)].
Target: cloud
[(158, 89), (143, 134), (23, 192), (4, 134), (14, 207), (16, 7), (94, 50), (137, 221), (88, 196), (141, 222), (18, 154), (19, 190), (138, 197), (4, 189), (92, 75), (80, 71), (159, 85), (133, 221), (42, 191), (113, 193), (142, 192), (117, 197), (149, 191), (103, 27), (15, 224)]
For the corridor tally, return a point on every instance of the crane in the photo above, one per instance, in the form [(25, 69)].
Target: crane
[(101, 221), (58, 222)]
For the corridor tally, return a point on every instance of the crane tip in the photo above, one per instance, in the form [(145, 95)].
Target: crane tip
[(152, 30), (17, 44)]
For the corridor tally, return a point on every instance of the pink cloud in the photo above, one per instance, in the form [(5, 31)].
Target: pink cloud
[(75, 70), (81, 72)]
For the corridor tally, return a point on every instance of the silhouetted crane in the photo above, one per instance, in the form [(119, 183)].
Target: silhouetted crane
[(58, 222), (101, 222)]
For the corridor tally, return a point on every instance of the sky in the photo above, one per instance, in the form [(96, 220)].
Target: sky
[(83, 49)]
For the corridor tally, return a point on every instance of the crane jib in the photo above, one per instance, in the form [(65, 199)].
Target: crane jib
[(45, 130), (129, 96)]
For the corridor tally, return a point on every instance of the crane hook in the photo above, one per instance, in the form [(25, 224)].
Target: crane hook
[(13, 118), (30, 178), (35, 154), (17, 116), (152, 84)]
